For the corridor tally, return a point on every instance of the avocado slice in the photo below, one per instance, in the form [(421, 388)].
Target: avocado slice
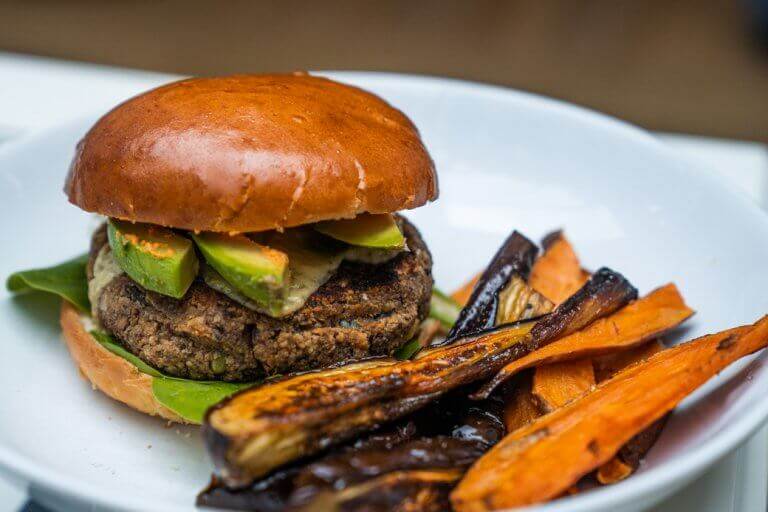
[(311, 262), (255, 270), (378, 231), (155, 257)]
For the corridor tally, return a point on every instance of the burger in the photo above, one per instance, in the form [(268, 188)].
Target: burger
[(251, 229)]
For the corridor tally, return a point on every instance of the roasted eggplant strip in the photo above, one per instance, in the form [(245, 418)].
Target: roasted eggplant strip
[(398, 491), (543, 459), (518, 301), (273, 492), (449, 434), (425, 454), (288, 441), (270, 494), (480, 425), (514, 257), (263, 427)]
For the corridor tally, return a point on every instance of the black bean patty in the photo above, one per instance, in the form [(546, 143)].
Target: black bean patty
[(362, 310)]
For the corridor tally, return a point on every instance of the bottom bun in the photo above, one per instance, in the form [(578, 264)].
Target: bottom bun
[(109, 372)]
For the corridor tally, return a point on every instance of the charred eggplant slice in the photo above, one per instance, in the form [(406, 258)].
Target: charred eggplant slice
[(418, 490), (448, 435), (351, 470), (514, 257), (270, 494), (518, 301)]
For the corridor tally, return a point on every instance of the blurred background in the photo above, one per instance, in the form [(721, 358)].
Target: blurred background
[(690, 66)]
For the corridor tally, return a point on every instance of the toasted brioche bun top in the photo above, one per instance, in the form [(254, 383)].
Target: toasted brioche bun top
[(251, 153)]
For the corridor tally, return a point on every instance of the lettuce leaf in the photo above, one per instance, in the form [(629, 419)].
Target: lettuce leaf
[(67, 280)]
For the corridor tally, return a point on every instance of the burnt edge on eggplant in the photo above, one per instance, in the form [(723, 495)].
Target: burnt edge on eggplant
[(606, 290), (550, 238), (605, 293), (379, 413), (450, 434), (515, 256)]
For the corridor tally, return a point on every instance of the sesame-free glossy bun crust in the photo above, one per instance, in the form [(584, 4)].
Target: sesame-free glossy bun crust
[(251, 153)]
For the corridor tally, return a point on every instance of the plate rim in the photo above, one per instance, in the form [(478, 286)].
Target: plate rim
[(661, 481)]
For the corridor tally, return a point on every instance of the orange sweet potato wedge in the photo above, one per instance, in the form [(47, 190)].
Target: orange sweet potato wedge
[(557, 274), (640, 321), (628, 459), (610, 364), (545, 458), (520, 406), (557, 384)]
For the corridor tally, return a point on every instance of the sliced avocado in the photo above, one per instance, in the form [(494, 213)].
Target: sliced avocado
[(153, 256), (311, 262), (366, 230), (255, 270)]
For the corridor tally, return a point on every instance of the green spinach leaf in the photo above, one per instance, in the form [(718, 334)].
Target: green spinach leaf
[(189, 398), (408, 350), (67, 280)]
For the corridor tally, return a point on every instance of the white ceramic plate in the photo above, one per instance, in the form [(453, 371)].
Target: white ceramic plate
[(506, 160)]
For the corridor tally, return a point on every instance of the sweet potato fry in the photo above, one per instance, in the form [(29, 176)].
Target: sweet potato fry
[(520, 407), (640, 321), (543, 459), (608, 365), (628, 459), (557, 274), (557, 384)]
